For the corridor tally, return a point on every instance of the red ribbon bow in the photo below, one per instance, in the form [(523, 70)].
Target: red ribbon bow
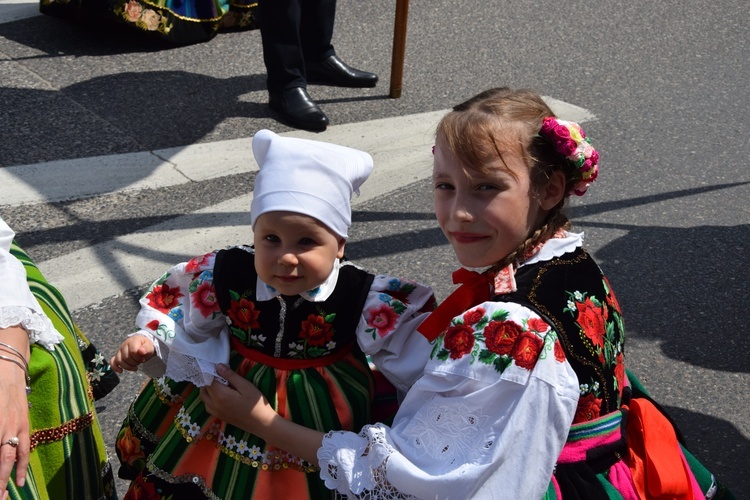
[(474, 290)]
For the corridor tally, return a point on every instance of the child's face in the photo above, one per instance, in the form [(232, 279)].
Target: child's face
[(484, 216), (294, 252)]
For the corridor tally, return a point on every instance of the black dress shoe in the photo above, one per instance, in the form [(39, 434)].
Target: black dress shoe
[(334, 71), (297, 109)]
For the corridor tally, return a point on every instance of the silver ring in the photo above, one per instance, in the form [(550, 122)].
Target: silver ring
[(12, 441)]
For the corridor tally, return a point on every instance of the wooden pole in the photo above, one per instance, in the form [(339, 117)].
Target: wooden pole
[(399, 47)]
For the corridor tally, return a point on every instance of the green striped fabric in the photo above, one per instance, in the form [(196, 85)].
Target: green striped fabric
[(70, 460)]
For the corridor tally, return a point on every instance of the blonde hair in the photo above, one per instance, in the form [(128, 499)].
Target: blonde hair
[(502, 121)]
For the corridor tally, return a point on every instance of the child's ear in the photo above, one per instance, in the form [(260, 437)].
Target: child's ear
[(553, 191), (342, 244)]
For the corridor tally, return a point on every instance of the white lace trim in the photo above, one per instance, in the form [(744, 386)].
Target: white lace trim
[(39, 326), (355, 465), (184, 368)]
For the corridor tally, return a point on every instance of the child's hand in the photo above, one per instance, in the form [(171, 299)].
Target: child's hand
[(134, 351), (240, 404)]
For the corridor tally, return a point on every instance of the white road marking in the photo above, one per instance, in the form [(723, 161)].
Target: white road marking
[(400, 148)]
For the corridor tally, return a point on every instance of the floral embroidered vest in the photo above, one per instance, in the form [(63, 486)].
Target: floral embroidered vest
[(588, 320), (288, 327)]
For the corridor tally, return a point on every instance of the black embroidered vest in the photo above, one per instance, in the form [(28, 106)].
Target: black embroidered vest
[(572, 294), (288, 327)]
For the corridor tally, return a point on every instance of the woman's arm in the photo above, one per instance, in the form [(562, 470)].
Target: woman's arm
[(242, 405), (14, 421)]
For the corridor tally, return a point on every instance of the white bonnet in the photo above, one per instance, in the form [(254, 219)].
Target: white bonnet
[(307, 177)]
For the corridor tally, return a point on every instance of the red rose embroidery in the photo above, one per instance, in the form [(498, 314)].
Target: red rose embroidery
[(612, 298), (459, 340), (526, 350), (589, 408), (153, 324), (474, 316), (538, 325), (204, 299), (195, 264), (559, 351), (243, 314), (163, 298), (500, 336), (316, 330), (591, 319), (383, 319)]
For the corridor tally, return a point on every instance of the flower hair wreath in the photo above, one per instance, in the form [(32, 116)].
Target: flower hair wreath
[(571, 142)]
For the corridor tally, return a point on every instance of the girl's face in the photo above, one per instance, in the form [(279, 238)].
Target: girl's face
[(484, 216), (294, 252)]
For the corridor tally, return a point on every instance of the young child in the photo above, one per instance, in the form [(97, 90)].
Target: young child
[(525, 394), (290, 314)]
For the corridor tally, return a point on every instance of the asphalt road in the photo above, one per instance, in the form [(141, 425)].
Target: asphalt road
[(666, 83)]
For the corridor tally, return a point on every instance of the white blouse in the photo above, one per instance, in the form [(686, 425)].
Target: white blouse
[(192, 335), (17, 305), (477, 424)]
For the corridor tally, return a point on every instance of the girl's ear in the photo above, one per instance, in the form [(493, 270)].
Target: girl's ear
[(342, 243), (553, 191)]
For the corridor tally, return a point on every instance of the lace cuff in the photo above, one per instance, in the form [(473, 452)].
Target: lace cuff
[(355, 465), (199, 372), (40, 328)]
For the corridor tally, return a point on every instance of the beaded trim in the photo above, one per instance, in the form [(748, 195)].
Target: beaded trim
[(140, 429), (42, 436)]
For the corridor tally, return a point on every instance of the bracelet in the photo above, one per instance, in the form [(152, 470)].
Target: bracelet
[(17, 353), (25, 371)]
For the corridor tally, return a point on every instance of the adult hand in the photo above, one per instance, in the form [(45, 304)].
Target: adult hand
[(240, 403), (14, 418)]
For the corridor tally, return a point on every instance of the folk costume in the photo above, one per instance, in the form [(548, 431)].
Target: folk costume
[(307, 353), (180, 22), (67, 374), (529, 381)]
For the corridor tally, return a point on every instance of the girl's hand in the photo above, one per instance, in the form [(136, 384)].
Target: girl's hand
[(240, 404), (14, 418), (133, 351)]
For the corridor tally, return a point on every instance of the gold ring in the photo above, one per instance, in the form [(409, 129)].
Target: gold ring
[(12, 441)]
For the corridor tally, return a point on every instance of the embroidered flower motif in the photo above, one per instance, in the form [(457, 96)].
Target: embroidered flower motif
[(132, 11), (129, 447), (538, 325), (195, 264), (163, 298), (142, 489), (459, 340), (153, 324), (500, 336), (591, 319), (205, 300), (526, 350), (589, 408), (243, 314), (473, 316), (316, 331), (383, 319), (559, 351)]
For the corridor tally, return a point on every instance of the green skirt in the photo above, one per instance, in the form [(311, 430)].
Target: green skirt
[(68, 458)]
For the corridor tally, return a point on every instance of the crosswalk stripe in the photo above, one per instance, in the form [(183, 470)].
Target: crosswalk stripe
[(400, 148)]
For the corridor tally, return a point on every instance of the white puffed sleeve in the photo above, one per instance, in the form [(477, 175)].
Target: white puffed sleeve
[(387, 330), (491, 413), (17, 304), (181, 314)]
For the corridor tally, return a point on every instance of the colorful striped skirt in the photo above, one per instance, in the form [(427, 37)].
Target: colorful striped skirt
[(68, 458), (169, 445)]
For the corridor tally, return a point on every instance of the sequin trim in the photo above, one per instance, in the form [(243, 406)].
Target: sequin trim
[(52, 434)]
